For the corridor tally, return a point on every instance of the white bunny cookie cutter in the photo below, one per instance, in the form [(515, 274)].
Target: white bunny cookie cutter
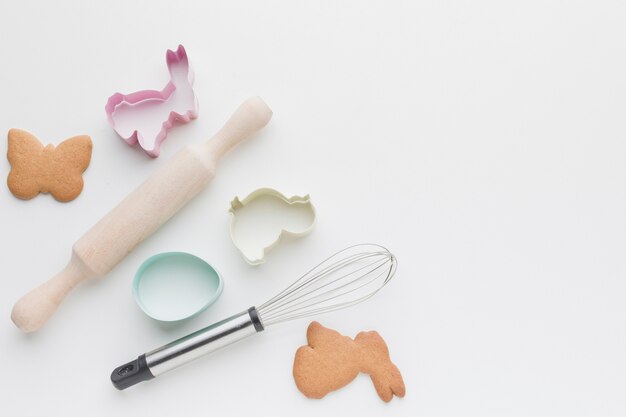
[(264, 217)]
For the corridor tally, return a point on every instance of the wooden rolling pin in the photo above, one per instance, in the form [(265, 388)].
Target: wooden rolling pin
[(140, 214)]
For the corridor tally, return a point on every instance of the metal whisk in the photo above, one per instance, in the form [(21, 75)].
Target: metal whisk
[(344, 279)]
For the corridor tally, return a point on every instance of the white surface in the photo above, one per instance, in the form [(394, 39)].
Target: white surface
[(483, 142)]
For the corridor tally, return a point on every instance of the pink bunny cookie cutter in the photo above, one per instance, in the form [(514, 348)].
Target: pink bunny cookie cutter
[(146, 116)]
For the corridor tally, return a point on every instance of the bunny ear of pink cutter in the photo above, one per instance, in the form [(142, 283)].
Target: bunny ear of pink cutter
[(146, 116)]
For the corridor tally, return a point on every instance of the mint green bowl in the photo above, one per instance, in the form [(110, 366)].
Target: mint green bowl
[(174, 286)]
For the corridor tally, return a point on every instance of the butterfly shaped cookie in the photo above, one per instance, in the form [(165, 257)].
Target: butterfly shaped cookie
[(47, 169)]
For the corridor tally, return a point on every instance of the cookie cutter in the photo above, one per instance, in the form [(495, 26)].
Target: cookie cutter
[(173, 286), (146, 116), (260, 221)]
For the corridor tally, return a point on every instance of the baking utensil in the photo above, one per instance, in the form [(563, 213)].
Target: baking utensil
[(145, 116), (174, 286), (140, 214), (346, 278), (259, 221)]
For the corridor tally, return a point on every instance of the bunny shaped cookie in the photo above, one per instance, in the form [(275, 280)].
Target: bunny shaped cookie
[(331, 361)]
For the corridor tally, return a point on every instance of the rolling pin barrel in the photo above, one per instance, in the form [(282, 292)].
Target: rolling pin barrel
[(140, 214)]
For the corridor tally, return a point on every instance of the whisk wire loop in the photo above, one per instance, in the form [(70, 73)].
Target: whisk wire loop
[(344, 279)]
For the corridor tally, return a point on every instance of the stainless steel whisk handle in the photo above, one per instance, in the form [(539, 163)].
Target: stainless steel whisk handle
[(187, 348)]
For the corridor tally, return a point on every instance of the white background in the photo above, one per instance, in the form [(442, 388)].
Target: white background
[(482, 141)]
